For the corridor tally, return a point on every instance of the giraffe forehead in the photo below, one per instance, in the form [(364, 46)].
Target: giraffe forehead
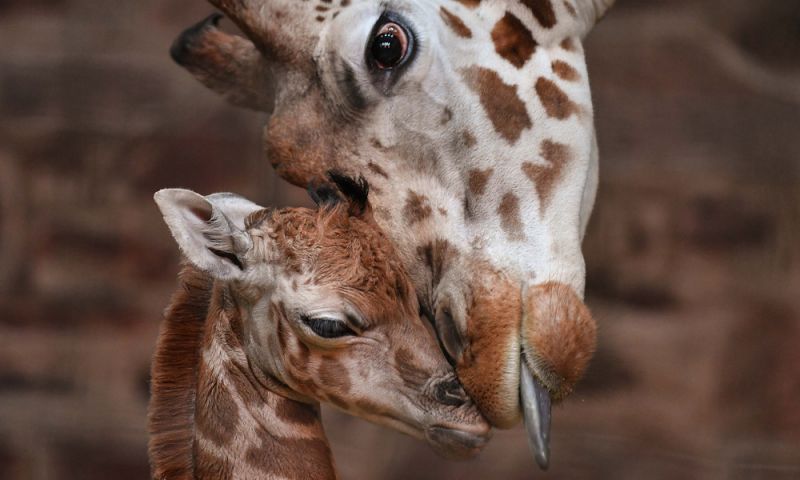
[(332, 259)]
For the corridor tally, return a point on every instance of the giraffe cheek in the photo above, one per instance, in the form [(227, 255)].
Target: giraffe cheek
[(558, 336), (489, 367)]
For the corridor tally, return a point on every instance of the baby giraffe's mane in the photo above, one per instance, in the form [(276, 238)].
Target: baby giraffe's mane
[(174, 376)]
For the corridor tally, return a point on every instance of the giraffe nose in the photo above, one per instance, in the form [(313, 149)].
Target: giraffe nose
[(448, 391)]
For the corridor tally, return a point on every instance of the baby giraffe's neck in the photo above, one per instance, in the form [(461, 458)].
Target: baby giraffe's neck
[(210, 416)]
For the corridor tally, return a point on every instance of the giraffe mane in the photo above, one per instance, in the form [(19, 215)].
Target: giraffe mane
[(174, 377)]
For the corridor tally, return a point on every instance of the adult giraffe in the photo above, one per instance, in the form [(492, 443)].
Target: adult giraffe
[(473, 122)]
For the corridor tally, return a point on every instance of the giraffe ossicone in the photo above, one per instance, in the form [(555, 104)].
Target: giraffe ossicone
[(280, 310), (473, 121)]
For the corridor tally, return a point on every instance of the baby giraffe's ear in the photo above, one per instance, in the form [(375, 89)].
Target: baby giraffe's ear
[(209, 230)]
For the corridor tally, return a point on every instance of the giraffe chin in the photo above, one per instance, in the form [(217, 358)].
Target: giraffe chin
[(456, 444)]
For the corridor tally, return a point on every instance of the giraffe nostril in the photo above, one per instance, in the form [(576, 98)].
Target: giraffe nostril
[(449, 392), (448, 333)]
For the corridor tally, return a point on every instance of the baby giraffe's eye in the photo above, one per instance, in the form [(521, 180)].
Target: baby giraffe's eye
[(327, 327)]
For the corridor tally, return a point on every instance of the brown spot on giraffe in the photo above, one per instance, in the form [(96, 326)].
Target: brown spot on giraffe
[(565, 71), (338, 401), (263, 457), (280, 328), (468, 139), (478, 179), (554, 152), (455, 23), (513, 40), (333, 375), (442, 211), (295, 412), (417, 208), (376, 144), (543, 12), (413, 376), (300, 354), (447, 115), (501, 102), (208, 465), (242, 383), (234, 335), (570, 8), (544, 177), (510, 219), (568, 44), (470, 3), (556, 103), (375, 168), (219, 419)]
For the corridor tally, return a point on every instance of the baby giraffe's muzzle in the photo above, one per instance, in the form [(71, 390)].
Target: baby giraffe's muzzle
[(457, 429)]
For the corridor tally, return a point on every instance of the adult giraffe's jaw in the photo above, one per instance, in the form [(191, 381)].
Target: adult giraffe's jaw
[(525, 349)]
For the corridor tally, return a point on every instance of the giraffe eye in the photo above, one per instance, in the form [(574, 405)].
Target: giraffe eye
[(328, 327), (390, 45)]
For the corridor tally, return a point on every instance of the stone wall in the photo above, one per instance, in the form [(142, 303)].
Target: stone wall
[(693, 253)]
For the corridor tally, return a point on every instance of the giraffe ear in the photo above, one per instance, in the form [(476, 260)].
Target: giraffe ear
[(589, 12), (229, 65), (208, 230)]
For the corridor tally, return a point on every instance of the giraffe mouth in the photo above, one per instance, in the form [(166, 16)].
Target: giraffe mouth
[(457, 444)]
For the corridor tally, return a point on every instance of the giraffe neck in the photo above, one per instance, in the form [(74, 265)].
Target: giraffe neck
[(210, 416)]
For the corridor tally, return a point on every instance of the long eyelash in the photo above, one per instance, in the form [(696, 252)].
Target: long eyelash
[(327, 327)]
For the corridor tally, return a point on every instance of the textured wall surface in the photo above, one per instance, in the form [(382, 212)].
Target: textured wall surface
[(693, 253)]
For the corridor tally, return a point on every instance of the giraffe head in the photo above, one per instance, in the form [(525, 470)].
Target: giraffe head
[(327, 311), (473, 122)]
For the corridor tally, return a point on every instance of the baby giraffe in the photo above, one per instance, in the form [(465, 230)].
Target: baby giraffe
[(281, 309)]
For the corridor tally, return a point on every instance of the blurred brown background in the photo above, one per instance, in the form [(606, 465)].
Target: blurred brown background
[(693, 251)]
